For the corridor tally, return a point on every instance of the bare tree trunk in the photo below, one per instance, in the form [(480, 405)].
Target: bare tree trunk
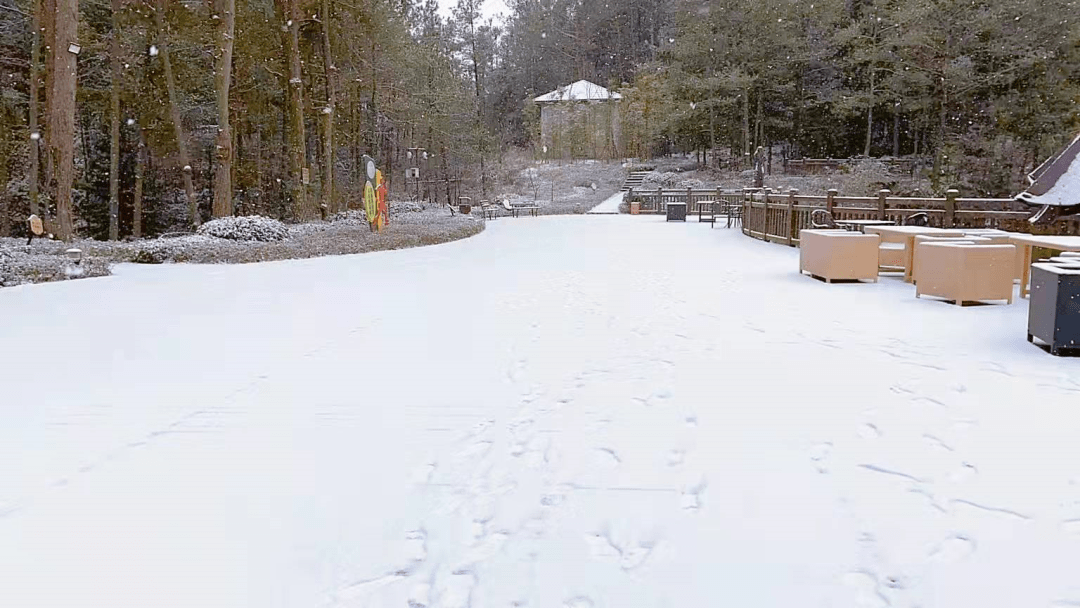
[(328, 198), (48, 29), (225, 13), (870, 116), (745, 127), (174, 114), (114, 116), (759, 124), (896, 134), (62, 110), (140, 163), (297, 140), (35, 133)]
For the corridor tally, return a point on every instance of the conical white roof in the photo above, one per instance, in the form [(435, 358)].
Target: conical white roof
[(1057, 181), (582, 90)]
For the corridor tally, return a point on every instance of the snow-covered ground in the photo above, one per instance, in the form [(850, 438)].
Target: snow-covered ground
[(584, 412)]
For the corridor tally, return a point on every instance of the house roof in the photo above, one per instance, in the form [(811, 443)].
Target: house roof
[(1057, 181), (582, 90)]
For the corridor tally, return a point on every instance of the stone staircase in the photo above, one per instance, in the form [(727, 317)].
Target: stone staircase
[(633, 180)]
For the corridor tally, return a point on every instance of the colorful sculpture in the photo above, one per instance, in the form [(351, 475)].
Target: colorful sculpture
[(371, 201), (381, 191)]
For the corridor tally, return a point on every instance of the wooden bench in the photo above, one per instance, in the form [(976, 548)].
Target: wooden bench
[(516, 210), (489, 210)]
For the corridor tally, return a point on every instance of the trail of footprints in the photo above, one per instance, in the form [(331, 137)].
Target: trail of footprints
[(476, 496), (869, 587)]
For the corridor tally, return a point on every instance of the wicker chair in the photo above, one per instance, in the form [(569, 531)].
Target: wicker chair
[(821, 219), (921, 218)]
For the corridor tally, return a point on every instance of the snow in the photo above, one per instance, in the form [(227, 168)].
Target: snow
[(601, 411)]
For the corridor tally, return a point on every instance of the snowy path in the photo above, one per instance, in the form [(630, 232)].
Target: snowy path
[(609, 206), (583, 412)]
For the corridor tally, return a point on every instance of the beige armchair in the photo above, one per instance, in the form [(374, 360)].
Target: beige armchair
[(838, 255), (920, 239), (966, 273)]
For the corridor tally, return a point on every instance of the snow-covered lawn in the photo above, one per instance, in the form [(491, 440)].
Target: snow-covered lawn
[(593, 412)]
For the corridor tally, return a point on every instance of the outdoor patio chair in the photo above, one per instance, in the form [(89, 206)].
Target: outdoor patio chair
[(734, 214), (916, 260), (917, 219), (707, 213), (966, 273), (832, 255), (821, 219)]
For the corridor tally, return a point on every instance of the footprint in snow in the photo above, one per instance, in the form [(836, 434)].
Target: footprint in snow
[(455, 590), (963, 473), (937, 443), (578, 602), (867, 592), (419, 596), (819, 455), (607, 457), (416, 545), (952, 549), (1071, 527), (676, 458), (869, 431), (691, 497), (692, 420)]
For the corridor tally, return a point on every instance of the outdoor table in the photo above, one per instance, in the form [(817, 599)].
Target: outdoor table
[(906, 235), (861, 225), (676, 212), (1027, 241)]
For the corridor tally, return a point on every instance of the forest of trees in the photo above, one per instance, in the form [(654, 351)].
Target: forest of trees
[(135, 117)]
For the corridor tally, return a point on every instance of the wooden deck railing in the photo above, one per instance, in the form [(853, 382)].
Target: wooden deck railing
[(778, 217), (655, 201)]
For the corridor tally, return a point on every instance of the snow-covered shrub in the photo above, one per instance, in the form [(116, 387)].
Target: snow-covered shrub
[(27, 264), (352, 216), (246, 228), (402, 207)]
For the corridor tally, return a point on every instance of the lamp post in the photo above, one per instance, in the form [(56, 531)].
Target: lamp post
[(75, 269)]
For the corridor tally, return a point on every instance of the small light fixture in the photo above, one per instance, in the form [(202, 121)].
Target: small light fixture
[(74, 49), (75, 255)]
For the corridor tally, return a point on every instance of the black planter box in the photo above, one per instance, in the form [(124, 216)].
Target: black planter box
[(676, 212), (1054, 311)]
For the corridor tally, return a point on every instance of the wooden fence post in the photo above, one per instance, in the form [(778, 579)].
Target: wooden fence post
[(881, 202), (689, 206), (830, 200), (792, 223), (765, 215), (950, 207), (660, 200)]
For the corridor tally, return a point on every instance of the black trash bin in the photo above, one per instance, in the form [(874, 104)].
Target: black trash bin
[(1054, 310), (676, 212)]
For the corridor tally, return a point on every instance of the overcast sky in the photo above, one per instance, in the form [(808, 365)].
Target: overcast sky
[(491, 8)]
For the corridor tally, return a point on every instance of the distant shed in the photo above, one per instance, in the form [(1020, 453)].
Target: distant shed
[(580, 121)]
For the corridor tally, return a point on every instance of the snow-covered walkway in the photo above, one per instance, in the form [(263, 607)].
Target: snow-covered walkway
[(584, 412), (609, 206)]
